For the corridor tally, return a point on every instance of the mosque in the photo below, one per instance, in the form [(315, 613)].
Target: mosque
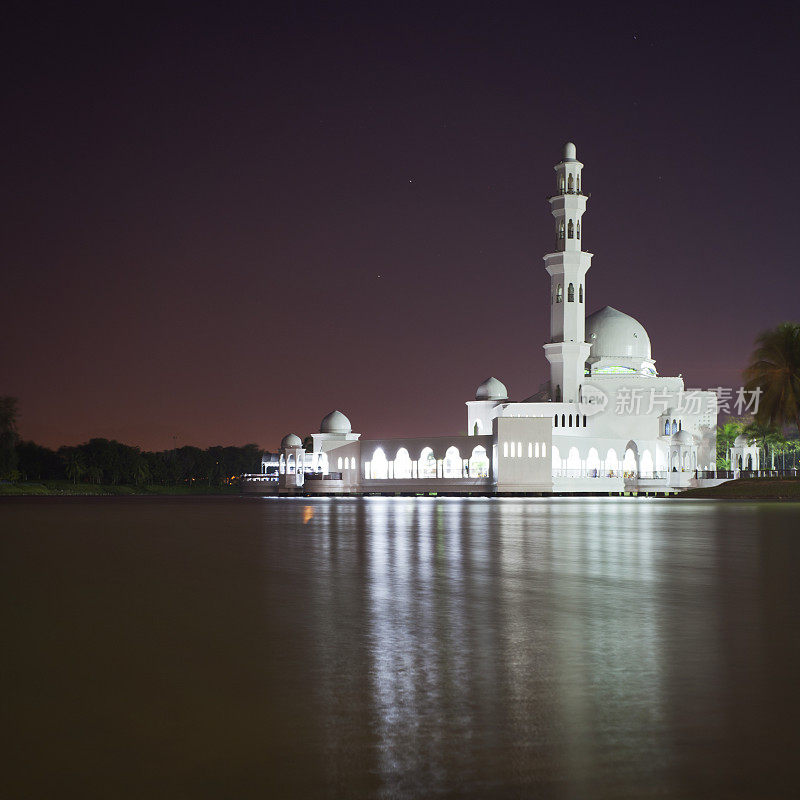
[(606, 422)]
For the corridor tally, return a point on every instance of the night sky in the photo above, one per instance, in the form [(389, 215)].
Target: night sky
[(220, 222)]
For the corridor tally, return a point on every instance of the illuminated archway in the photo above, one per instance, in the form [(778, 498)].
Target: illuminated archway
[(612, 463), (379, 469), (556, 460), (402, 464), (593, 463), (630, 462), (574, 462), (453, 467), (479, 463), (427, 464)]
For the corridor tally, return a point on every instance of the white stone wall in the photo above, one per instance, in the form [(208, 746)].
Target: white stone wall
[(523, 454)]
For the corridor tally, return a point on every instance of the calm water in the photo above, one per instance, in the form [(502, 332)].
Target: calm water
[(240, 647)]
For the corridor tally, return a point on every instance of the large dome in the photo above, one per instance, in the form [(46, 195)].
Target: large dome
[(335, 422), (491, 389), (291, 440), (613, 334)]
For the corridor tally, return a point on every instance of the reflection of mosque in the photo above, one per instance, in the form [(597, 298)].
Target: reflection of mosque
[(606, 421)]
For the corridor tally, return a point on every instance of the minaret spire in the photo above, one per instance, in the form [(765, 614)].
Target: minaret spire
[(567, 351)]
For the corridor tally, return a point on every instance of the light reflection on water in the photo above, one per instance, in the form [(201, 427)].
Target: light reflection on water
[(556, 643), (405, 647)]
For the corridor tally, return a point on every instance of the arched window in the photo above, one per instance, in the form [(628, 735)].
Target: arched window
[(519, 449), (339, 463), (674, 426), (584, 420), (558, 397), (476, 429), (680, 424), (580, 293), (666, 428), (505, 450), (555, 421), (578, 230), (561, 183), (570, 183), (578, 182), (571, 293), (561, 229), (570, 420), (563, 421), (559, 294), (570, 230), (530, 450)]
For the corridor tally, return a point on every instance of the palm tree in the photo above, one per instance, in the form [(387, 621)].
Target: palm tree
[(774, 370), (725, 437), (74, 464), (768, 439)]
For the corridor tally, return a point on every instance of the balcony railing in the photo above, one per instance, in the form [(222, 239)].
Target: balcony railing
[(570, 192), (318, 476)]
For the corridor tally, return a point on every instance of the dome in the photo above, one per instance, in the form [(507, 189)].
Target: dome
[(740, 441), (291, 440), (613, 334), (491, 389), (569, 152), (682, 437), (335, 422)]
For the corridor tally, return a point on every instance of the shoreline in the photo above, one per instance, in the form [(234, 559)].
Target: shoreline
[(68, 489), (748, 489), (781, 489)]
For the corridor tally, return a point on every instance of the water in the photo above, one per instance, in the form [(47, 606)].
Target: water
[(392, 648)]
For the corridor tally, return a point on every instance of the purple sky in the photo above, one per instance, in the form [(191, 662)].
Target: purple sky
[(221, 222)]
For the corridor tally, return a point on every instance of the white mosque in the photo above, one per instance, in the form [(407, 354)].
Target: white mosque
[(607, 423)]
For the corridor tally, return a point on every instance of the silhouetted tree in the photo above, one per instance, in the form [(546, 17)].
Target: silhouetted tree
[(35, 462), (775, 370), (8, 438)]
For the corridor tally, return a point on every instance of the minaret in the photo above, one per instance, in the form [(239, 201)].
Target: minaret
[(567, 351)]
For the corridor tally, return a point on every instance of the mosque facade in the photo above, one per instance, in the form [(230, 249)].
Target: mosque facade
[(606, 422)]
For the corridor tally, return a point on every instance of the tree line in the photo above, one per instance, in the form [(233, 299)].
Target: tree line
[(108, 462)]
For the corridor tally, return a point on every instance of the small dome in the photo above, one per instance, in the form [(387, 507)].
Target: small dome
[(491, 389), (291, 440), (740, 441), (569, 153), (613, 334), (335, 422), (682, 437)]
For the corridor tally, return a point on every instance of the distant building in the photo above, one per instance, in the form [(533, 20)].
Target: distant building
[(606, 421)]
